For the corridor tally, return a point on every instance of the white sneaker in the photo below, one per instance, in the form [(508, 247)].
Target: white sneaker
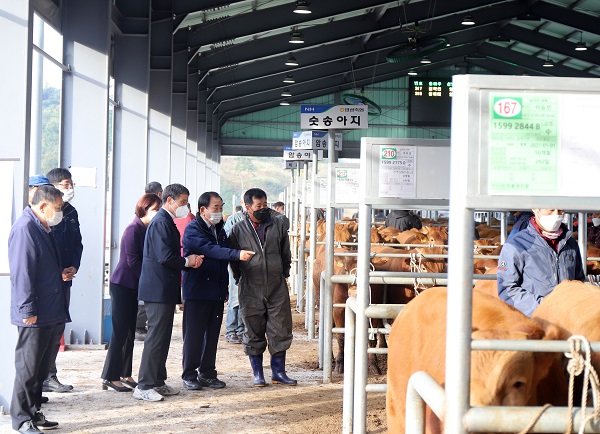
[(147, 395), (165, 390)]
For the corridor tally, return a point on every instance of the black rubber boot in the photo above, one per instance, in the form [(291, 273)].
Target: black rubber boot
[(278, 368), (257, 367)]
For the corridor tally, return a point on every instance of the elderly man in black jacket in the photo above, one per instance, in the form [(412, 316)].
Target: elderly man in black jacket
[(205, 292), (159, 289), (263, 291)]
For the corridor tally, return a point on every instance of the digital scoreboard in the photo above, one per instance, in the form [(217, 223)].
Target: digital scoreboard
[(429, 102)]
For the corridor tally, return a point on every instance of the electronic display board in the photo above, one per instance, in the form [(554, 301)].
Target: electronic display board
[(429, 102)]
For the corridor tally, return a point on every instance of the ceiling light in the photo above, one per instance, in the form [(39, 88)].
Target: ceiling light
[(289, 79), (468, 20), (286, 93), (581, 46), (284, 102), (291, 61), (412, 72), (296, 38), (549, 63), (302, 7), (425, 59)]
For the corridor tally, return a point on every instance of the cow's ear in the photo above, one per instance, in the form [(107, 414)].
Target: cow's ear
[(378, 261)]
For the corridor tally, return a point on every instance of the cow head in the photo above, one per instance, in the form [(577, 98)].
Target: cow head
[(508, 377)]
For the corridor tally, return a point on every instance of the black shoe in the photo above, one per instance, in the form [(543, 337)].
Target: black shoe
[(44, 399), (140, 333), (192, 385), (40, 421), (51, 384), (106, 384), (213, 383), (29, 427), (131, 384)]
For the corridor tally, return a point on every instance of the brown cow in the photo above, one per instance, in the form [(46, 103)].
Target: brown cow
[(489, 287), (417, 343)]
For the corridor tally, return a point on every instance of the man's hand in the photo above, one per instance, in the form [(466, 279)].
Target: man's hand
[(246, 255), (68, 274), (194, 261), (31, 320)]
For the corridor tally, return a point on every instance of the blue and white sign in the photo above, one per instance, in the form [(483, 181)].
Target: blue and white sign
[(297, 154), (337, 117), (310, 140)]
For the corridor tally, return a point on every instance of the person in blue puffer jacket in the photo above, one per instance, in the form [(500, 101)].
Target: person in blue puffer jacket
[(536, 259)]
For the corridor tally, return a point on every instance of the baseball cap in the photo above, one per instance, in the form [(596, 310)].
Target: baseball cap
[(37, 180)]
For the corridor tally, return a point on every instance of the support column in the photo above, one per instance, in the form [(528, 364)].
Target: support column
[(131, 69), (86, 35), (159, 100), (179, 117), (191, 160), (201, 164), (16, 33)]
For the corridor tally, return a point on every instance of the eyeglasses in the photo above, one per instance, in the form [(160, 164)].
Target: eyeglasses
[(67, 184)]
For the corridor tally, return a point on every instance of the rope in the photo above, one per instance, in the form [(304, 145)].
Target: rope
[(416, 268), (576, 365), (535, 419)]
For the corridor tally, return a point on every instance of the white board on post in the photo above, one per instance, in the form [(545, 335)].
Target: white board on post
[(406, 173)]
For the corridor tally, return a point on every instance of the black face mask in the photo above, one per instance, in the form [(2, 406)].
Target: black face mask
[(261, 214)]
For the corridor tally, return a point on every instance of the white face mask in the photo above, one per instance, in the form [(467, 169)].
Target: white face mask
[(56, 218), (181, 211), (68, 195), (596, 221), (151, 214), (550, 223), (215, 217)]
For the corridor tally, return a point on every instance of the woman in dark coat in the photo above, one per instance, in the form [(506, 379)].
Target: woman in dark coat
[(124, 296)]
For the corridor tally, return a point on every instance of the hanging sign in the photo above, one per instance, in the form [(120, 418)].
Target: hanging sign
[(297, 155), (290, 165), (337, 117), (316, 140)]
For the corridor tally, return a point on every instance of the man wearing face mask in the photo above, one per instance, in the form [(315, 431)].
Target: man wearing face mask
[(536, 259), (205, 292), (39, 307), (263, 291), (67, 235), (159, 289)]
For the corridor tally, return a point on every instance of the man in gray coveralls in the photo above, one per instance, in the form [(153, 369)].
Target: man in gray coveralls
[(263, 292)]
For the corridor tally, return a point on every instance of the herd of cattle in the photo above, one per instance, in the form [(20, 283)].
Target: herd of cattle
[(417, 338)]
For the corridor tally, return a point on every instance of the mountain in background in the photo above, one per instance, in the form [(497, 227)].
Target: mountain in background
[(238, 174)]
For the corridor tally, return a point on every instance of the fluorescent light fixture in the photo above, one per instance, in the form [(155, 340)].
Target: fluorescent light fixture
[(425, 59), (291, 61), (412, 72), (289, 79), (302, 7), (549, 63), (581, 46), (468, 20), (286, 93), (296, 38), (284, 102)]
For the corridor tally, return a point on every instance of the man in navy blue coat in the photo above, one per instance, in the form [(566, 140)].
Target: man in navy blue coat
[(39, 307), (159, 289), (205, 292)]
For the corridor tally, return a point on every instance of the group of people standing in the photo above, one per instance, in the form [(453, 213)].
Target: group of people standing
[(153, 254)]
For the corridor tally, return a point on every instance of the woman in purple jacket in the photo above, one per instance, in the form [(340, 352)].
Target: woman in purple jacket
[(124, 296)]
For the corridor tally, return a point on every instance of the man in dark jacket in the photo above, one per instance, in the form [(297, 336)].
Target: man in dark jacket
[(39, 307), (205, 292), (403, 220), (159, 289), (263, 291), (68, 240)]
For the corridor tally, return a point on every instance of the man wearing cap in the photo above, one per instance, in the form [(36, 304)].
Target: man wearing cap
[(34, 182)]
